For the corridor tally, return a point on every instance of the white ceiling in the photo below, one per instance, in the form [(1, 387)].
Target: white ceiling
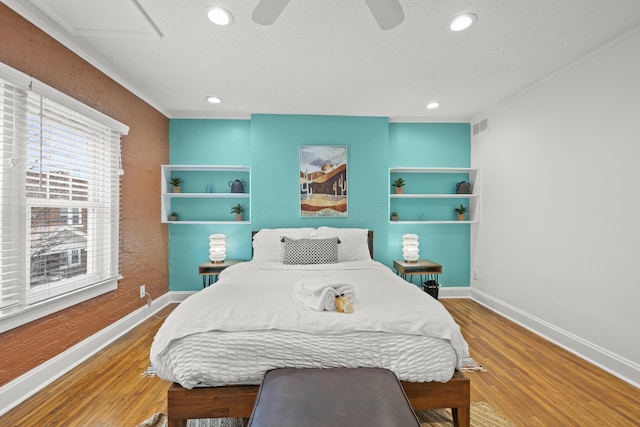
[(329, 56)]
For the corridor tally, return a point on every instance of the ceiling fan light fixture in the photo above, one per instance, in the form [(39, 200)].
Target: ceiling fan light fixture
[(267, 11), (433, 105), (462, 22), (213, 99), (219, 16), (387, 13)]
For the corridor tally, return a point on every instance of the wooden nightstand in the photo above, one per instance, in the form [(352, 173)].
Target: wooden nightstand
[(423, 267), (209, 270)]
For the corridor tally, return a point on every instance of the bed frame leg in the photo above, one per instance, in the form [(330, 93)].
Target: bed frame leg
[(176, 422), (461, 417)]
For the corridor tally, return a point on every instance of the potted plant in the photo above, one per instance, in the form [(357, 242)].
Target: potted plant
[(237, 209), (399, 183), (394, 216), (173, 216), (175, 182), (461, 211)]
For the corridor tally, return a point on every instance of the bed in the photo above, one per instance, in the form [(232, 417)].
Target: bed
[(217, 344)]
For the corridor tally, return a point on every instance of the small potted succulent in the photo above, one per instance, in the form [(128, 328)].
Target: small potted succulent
[(175, 182), (394, 216), (399, 183), (237, 209), (173, 216), (461, 211)]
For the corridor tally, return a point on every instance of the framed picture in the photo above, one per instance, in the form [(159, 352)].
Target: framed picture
[(323, 180)]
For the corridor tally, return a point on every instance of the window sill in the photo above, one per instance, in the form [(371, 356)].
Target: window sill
[(53, 305)]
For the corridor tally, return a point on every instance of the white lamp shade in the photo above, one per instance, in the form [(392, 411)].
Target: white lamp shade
[(217, 247), (410, 251)]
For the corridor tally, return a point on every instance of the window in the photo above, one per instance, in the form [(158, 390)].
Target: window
[(59, 200), (71, 216), (70, 258)]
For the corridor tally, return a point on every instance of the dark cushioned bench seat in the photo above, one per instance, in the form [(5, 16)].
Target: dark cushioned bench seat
[(332, 397)]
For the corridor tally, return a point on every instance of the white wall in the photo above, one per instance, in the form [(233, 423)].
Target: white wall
[(558, 244)]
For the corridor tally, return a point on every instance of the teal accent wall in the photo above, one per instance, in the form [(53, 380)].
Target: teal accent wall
[(446, 145), (430, 145), (205, 142), (275, 152), (209, 142), (269, 144)]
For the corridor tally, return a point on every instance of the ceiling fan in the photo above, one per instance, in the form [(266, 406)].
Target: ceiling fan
[(387, 13)]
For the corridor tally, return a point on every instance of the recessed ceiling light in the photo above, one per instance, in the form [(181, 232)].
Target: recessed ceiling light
[(433, 105), (220, 16), (213, 99), (462, 22)]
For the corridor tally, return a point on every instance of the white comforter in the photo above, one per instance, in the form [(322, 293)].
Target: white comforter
[(255, 297)]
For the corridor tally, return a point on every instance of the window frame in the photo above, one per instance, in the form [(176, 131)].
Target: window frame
[(24, 311)]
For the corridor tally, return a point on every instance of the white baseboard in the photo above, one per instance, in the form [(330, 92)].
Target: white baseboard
[(26, 385), (619, 366), (179, 296), (454, 292)]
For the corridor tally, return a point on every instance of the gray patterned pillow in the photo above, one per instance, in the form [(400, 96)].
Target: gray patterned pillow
[(309, 251)]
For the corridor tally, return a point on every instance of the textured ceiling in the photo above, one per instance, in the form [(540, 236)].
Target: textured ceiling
[(330, 56)]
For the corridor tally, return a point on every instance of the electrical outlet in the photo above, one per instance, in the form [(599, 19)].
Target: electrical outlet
[(142, 291), (475, 274)]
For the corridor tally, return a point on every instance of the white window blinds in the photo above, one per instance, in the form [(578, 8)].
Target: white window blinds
[(60, 193)]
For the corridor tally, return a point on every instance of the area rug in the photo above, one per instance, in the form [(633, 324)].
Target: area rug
[(482, 415), (160, 420)]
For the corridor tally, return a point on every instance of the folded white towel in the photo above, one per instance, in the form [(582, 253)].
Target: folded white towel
[(327, 300), (320, 293)]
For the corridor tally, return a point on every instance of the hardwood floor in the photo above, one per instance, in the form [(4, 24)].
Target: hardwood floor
[(106, 391), (529, 380), (533, 382)]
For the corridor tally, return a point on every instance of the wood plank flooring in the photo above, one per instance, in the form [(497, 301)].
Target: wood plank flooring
[(530, 381), (533, 382)]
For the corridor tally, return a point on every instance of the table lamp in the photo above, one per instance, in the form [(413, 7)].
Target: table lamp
[(217, 248), (410, 249)]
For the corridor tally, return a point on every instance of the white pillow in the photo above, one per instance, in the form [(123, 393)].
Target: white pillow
[(267, 242), (353, 242)]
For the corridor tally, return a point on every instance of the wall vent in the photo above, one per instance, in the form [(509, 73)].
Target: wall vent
[(481, 126)]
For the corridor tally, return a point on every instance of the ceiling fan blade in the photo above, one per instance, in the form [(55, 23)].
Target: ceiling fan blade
[(267, 11), (388, 13)]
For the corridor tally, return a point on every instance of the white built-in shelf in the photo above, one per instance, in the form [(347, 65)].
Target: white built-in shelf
[(209, 195), (432, 222), (422, 199), (208, 222), (433, 196), (211, 174), (434, 170), (206, 168)]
